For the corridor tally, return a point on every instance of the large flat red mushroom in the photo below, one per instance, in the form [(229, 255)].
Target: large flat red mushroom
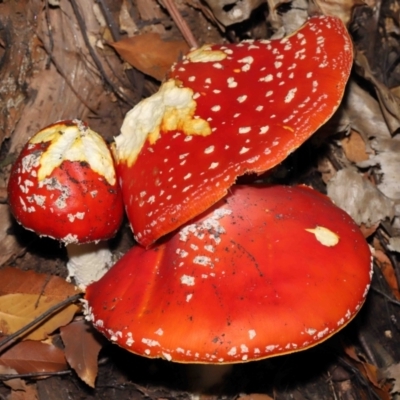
[(226, 110), (257, 275)]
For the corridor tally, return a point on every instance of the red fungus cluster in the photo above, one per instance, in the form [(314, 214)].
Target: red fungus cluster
[(259, 271)]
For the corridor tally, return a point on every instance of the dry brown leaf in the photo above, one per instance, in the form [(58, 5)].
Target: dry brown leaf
[(342, 9), (326, 169), (370, 372), (150, 54), (393, 373), (18, 310), (255, 396), (359, 197), (367, 231), (82, 345), (390, 104), (16, 281), (24, 295), (9, 245), (394, 244), (365, 368), (199, 5), (354, 147), (126, 22), (16, 383), (386, 267), (31, 356), (30, 393), (3, 192), (387, 158), (396, 91), (362, 112), (351, 352)]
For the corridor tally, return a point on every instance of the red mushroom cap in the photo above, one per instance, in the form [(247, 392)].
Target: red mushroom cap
[(266, 271), (227, 110), (63, 185)]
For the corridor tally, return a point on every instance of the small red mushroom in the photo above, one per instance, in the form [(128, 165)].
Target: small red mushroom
[(268, 270), (63, 185), (226, 110)]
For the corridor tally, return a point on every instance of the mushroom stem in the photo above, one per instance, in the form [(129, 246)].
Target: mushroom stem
[(88, 262)]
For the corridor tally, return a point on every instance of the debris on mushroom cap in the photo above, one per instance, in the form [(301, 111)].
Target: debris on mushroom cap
[(63, 185), (248, 279), (226, 110)]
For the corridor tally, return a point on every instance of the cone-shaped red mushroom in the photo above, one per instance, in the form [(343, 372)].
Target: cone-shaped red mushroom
[(63, 185), (266, 271), (224, 111)]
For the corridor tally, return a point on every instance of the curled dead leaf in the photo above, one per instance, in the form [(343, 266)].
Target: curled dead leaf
[(14, 384), (24, 295), (362, 112), (392, 373), (359, 197), (369, 371), (29, 393), (82, 346), (390, 104), (394, 244), (387, 269), (367, 231), (342, 9), (19, 309), (32, 356), (16, 281), (255, 396), (354, 147), (150, 54), (9, 245)]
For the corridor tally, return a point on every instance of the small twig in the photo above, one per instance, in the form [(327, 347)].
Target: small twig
[(180, 23), (386, 292), (82, 25), (50, 30), (6, 377), (61, 72), (47, 280), (357, 374), (27, 375), (389, 254), (332, 386), (135, 76), (333, 160), (366, 347), (9, 340), (386, 296), (109, 20)]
